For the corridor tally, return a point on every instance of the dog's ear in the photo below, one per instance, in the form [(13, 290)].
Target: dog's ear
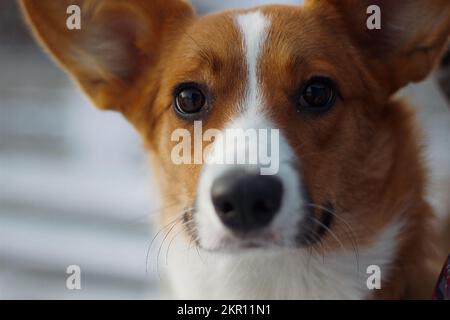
[(117, 41), (411, 38)]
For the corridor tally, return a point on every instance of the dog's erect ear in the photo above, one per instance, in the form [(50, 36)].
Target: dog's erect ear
[(116, 42), (409, 43)]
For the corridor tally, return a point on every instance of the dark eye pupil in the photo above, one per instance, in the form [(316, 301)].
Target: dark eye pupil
[(318, 94), (190, 100)]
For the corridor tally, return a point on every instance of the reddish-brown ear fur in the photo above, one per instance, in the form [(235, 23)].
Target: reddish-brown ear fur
[(117, 41), (411, 40)]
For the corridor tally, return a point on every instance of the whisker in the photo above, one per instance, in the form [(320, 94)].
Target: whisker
[(168, 225), (316, 241), (330, 231), (170, 243), (350, 232), (161, 246), (153, 239), (184, 223)]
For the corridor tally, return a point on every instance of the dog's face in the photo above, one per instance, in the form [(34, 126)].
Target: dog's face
[(314, 76)]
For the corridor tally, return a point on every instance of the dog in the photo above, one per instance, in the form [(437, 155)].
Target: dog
[(344, 214)]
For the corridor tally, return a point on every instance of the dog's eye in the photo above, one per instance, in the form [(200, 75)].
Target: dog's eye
[(317, 95), (189, 100)]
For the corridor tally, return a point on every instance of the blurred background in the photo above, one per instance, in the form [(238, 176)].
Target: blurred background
[(75, 188)]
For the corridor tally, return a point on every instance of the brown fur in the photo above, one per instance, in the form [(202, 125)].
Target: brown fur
[(364, 154)]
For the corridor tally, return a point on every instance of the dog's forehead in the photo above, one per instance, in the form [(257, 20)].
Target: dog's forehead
[(266, 34), (269, 46), (244, 29)]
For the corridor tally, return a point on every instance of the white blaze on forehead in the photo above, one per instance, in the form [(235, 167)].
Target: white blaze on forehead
[(212, 233), (253, 26)]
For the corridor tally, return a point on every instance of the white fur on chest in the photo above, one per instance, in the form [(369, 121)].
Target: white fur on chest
[(283, 274)]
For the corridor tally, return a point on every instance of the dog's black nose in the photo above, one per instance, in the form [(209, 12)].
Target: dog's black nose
[(245, 201)]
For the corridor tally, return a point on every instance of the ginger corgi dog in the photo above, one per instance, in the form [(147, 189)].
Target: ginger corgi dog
[(346, 201)]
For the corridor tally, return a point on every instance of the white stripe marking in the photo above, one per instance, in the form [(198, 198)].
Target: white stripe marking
[(254, 27)]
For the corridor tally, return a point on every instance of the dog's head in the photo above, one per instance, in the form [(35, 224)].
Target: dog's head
[(304, 91)]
